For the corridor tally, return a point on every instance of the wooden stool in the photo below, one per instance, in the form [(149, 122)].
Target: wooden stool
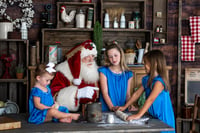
[(195, 120)]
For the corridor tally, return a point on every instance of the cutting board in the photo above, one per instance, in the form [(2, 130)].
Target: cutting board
[(9, 123)]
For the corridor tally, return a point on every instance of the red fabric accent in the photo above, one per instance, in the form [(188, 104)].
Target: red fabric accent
[(74, 60), (87, 45), (187, 49), (74, 64), (86, 100), (58, 83), (195, 28)]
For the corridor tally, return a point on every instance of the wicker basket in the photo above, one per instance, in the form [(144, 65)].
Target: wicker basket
[(130, 58)]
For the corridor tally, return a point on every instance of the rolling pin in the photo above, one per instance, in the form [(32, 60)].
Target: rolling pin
[(121, 115)]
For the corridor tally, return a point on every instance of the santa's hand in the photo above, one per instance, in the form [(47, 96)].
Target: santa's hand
[(86, 92)]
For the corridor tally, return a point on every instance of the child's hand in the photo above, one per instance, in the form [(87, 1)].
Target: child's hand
[(132, 108), (121, 108), (115, 108), (56, 106), (75, 116), (133, 117)]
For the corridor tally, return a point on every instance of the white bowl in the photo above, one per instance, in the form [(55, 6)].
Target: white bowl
[(2, 110)]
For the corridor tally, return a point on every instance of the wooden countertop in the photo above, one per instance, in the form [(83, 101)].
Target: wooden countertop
[(153, 125)]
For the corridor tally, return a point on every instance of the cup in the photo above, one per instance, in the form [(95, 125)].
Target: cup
[(110, 118), (140, 55)]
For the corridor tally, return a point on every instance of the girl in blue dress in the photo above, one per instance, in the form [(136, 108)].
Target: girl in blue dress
[(42, 107), (156, 86), (115, 79)]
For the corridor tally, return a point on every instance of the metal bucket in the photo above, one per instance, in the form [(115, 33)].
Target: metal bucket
[(94, 112)]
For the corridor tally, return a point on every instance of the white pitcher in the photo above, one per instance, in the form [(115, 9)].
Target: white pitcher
[(140, 55), (5, 27)]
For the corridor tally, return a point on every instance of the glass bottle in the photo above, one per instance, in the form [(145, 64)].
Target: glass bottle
[(24, 31), (122, 21), (161, 28), (115, 24), (80, 19), (137, 19), (157, 28), (106, 21)]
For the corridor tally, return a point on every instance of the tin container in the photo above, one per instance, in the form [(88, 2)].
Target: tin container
[(94, 113), (131, 25), (110, 118), (162, 40)]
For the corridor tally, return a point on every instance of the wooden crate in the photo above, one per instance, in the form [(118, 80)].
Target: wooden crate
[(130, 6), (74, 6), (67, 38)]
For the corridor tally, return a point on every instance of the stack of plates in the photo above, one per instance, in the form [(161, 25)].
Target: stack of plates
[(11, 108)]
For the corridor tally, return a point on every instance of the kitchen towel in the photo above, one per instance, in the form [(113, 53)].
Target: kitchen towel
[(195, 28), (187, 48)]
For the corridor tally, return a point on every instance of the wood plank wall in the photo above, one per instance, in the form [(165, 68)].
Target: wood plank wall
[(170, 50)]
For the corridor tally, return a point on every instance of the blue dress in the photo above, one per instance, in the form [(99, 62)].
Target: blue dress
[(38, 116), (117, 87), (162, 107)]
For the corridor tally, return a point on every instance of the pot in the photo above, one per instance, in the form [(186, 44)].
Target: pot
[(94, 112)]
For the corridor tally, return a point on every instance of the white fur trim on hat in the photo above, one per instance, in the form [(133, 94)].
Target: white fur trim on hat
[(66, 97), (77, 81), (86, 52)]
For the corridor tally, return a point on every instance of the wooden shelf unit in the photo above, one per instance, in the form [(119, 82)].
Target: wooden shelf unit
[(74, 6), (160, 7), (16, 90)]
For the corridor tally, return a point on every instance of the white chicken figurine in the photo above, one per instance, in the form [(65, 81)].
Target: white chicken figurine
[(65, 17)]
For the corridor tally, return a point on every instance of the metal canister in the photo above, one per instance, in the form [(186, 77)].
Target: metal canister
[(94, 112), (131, 25)]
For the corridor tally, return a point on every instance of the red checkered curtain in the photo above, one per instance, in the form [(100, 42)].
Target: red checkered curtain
[(187, 48), (195, 28)]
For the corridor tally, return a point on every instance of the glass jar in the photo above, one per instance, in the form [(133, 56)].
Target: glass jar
[(137, 19), (80, 19)]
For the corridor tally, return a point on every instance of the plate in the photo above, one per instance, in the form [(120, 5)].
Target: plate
[(11, 108)]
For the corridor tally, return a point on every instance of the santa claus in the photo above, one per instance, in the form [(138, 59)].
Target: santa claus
[(76, 80)]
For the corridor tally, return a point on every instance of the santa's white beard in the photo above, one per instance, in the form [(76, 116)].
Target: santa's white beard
[(89, 73)]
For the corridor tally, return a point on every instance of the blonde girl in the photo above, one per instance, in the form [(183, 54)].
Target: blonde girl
[(115, 79)]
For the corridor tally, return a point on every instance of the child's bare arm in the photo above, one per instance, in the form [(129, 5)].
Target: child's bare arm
[(157, 89), (104, 90), (38, 104), (133, 98)]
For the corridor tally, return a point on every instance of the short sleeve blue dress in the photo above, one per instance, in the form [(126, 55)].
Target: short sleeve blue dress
[(162, 107), (117, 87), (38, 116)]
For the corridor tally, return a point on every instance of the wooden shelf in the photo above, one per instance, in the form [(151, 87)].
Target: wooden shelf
[(124, 30), (13, 80), (13, 40)]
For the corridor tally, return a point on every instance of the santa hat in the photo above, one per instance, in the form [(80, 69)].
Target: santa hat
[(75, 55)]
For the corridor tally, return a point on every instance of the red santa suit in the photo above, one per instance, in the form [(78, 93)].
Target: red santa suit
[(68, 79)]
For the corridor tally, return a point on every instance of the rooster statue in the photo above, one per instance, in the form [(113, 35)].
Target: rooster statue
[(65, 17)]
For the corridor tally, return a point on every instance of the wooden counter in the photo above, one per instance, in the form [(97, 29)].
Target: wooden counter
[(153, 125)]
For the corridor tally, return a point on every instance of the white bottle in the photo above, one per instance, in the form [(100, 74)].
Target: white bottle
[(115, 24), (80, 20), (24, 31), (122, 21), (106, 21)]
